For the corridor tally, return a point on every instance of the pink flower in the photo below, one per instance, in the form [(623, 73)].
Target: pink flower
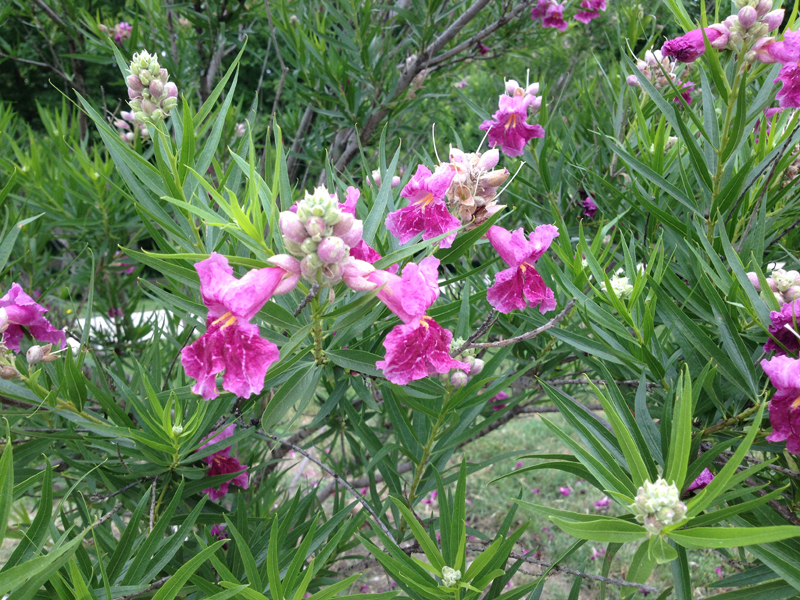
[(784, 408), (589, 206), (786, 52), (521, 285), (426, 212), (122, 31), (231, 343), (509, 128), (363, 251), (789, 94), (597, 553), (114, 313), (718, 571), (686, 88), (535, 491), (218, 531), (495, 402), (364, 589), (18, 310), (519, 465), (416, 350), (409, 296), (592, 7), (349, 205), (788, 316), (603, 503), (551, 14), (689, 47), (702, 481), (222, 463), (483, 49), (565, 491)]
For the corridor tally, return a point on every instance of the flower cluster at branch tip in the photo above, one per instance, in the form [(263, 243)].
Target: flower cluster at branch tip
[(521, 286), (472, 192), (459, 378), (551, 13), (121, 31), (321, 233), (129, 127), (509, 128), (152, 95), (231, 343), (592, 9), (18, 310), (658, 505), (450, 576), (784, 329), (784, 407), (619, 285), (661, 70), (784, 285), (222, 463), (420, 346)]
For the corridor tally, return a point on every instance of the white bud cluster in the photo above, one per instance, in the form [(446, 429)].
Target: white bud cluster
[(450, 576), (458, 378), (620, 285), (784, 285), (152, 95), (658, 505), (321, 235), (657, 69)]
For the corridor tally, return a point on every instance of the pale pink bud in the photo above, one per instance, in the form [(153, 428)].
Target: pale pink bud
[(535, 103), (395, 181), (148, 107), (763, 7), (120, 124), (772, 285), (532, 89), (171, 90), (156, 88), (753, 277), (650, 59), (489, 159), (309, 266), (315, 227), (633, 81), (792, 294), (133, 94), (345, 223), (291, 227), (353, 236), (286, 262), (355, 273), (747, 17), (512, 87), (774, 19), (127, 115), (331, 250), (459, 379), (376, 177), (494, 178), (722, 40), (761, 50), (134, 83)]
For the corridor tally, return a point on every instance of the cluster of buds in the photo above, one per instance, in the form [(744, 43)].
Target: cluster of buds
[(376, 177), (121, 31), (450, 576), (620, 285), (152, 95), (784, 285), (37, 354), (129, 126), (754, 20), (456, 377), (472, 195), (660, 70), (321, 234), (658, 505)]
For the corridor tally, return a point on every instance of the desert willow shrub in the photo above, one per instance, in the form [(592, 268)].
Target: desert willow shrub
[(617, 255)]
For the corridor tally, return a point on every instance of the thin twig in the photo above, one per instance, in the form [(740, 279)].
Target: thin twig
[(177, 354), (309, 297), (333, 474), (485, 326), (153, 505), (531, 334), (106, 516), (150, 588)]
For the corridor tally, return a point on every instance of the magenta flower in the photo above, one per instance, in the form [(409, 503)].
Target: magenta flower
[(231, 343), (351, 199), (426, 212), (784, 408), (495, 402), (689, 47), (789, 94), (222, 463), (786, 52), (417, 350), (686, 88), (18, 310), (603, 503), (483, 49), (565, 491), (597, 553), (509, 127), (589, 206), (535, 491), (592, 8), (521, 285), (551, 13), (784, 323), (409, 296), (122, 31), (363, 251), (718, 571), (702, 481)]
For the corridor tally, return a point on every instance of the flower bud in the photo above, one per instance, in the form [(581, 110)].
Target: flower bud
[(353, 236), (3, 319), (763, 7), (477, 366), (792, 294), (169, 104), (157, 115), (291, 227), (753, 277), (134, 83), (658, 505), (773, 19), (332, 216), (747, 17), (308, 246), (489, 159), (315, 226), (725, 36), (494, 178), (395, 181), (156, 89), (344, 225), (177, 430), (332, 273), (758, 30), (171, 90), (308, 268), (650, 59), (145, 77), (459, 379), (632, 81), (354, 273), (376, 177), (511, 87), (148, 107), (294, 21), (286, 262), (293, 247), (35, 354), (450, 576), (784, 279), (9, 373), (332, 250), (532, 89)]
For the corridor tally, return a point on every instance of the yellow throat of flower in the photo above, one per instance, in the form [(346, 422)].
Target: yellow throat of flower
[(229, 319)]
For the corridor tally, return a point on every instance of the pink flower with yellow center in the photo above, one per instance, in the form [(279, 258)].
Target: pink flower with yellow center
[(222, 463), (521, 285), (509, 128), (231, 343), (426, 212), (18, 310), (784, 408)]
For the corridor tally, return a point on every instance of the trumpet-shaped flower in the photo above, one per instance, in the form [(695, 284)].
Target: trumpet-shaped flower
[(412, 294), (784, 408), (416, 350), (688, 48), (784, 325), (18, 310), (787, 51), (231, 343), (789, 94), (509, 128), (521, 285), (426, 212), (591, 10), (551, 13), (702, 481), (222, 463)]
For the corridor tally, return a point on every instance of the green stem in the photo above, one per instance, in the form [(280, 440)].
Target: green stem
[(316, 332), (730, 421)]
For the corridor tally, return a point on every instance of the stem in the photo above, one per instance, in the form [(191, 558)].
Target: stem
[(316, 332), (730, 421)]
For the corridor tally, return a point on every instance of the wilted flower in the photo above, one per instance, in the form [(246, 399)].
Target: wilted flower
[(474, 187), (426, 212), (687, 48), (222, 463), (231, 343), (509, 128), (784, 407), (18, 310), (658, 505), (521, 285), (702, 481), (152, 95), (783, 329)]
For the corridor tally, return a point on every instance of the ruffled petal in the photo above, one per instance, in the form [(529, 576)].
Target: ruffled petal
[(536, 291), (510, 245), (438, 220), (506, 294), (405, 223), (22, 310)]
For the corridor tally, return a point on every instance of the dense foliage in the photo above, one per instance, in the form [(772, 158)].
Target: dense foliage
[(241, 240)]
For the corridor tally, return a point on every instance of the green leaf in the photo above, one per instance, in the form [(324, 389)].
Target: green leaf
[(6, 483), (356, 360), (681, 431), (700, 538), (175, 583), (295, 389), (425, 542), (603, 530), (660, 550)]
